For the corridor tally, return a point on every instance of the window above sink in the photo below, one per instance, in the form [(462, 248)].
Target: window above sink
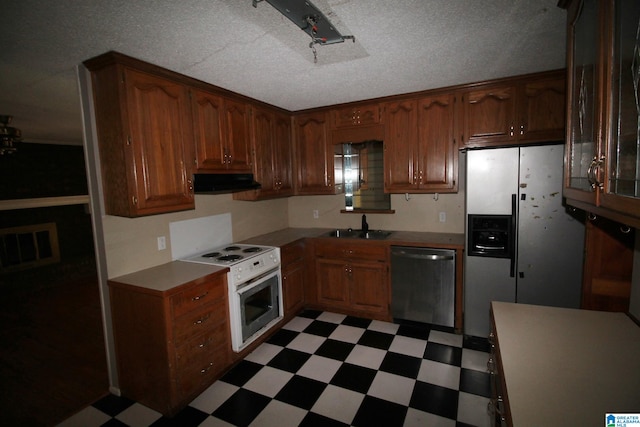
[(359, 174)]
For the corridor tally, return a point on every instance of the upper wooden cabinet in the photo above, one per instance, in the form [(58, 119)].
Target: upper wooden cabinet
[(356, 115), (222, 133), (420, 147), (603, 160), (514, 111), (272, 149), (401, 146), (145, 139), (313, 154)]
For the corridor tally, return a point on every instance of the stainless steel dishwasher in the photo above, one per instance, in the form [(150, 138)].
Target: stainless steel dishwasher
[(423, 284)]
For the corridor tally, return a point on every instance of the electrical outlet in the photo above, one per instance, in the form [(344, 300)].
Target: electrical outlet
[(443, 216), (162, 243), (316, 214)]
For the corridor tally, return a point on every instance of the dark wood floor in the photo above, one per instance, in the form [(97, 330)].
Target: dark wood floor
[(52, 354)]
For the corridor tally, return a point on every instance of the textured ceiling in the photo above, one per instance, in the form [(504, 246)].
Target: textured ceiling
[(401, 46)]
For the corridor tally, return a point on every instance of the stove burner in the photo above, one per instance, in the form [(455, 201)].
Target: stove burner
[(230, 258), (231, 248), (252, 249), (211, 255)]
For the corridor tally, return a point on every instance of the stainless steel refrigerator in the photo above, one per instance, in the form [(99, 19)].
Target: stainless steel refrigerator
[(523, 245)]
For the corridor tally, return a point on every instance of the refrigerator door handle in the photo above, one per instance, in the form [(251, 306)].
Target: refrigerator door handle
[(512, 236)]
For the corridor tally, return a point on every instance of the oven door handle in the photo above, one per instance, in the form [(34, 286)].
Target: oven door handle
[(245, 286)]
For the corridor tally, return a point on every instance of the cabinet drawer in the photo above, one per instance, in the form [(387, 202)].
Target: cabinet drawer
[(352, 250), (292, 253), (200, 374), (199, 321), (197, 296), (202, 349)]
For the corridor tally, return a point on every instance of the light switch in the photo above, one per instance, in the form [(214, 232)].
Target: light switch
[(162, 243)]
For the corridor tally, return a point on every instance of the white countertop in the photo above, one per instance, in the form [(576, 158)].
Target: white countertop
[(567, 366), (168, 276)]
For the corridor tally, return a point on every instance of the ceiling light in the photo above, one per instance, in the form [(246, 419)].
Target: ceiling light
[(310, 20), (9, 136)]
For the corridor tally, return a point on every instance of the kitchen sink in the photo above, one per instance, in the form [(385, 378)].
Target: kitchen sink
[(349, 233)]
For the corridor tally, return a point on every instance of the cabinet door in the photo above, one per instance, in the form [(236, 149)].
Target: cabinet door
[(541, 106), (293, 282), (283, 156), (160, 139), (262, 126), (209, 132), (489, 116), (437, 150), (400, 146), (622, 186), (331, 279), (238, 136), (368, 290), (608, 266), (313, 156), (582, 137)]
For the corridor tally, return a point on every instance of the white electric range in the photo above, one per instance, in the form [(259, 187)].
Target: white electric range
[(254, 285)]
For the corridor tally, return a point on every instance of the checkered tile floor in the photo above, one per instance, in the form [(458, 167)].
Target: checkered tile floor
[(327, 369)]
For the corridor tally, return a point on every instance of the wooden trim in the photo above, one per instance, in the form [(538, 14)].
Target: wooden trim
[(43, 202)]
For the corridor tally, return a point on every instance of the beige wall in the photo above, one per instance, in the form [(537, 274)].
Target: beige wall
[(131, 243), (419, 213)]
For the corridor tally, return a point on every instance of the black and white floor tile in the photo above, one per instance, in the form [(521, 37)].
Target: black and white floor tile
[(327, 369)]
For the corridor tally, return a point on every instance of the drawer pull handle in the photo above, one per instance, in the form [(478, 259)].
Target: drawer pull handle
[(201, 320), (204, 344), (199, 297), (205, 370)]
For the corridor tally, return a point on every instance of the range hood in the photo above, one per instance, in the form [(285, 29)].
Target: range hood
[(208, 183)]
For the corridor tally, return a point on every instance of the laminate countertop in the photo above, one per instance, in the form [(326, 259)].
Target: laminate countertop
[(167, 277), (285, 236), (567, 366)]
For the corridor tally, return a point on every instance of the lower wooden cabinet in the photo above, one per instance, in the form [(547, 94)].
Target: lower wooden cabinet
[(608, 266), (353, 277), (170, 346), (294, 277)]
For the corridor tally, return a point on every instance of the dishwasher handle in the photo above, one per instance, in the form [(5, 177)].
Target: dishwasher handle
[(428, 257)]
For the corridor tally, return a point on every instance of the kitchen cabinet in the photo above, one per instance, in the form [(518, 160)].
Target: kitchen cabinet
[(608, 266), (514, 111), (273, 160), (222, 134), (170, 345), (355, 115), (353, 277), (313, 154), (421, 155), (603, 159), (145, 139), (400, 145), (294, 277)]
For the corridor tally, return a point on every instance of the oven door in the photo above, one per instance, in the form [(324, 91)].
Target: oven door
[(259, 305)]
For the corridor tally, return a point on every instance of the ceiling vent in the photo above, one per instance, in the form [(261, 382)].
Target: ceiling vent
[(310, 20)]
